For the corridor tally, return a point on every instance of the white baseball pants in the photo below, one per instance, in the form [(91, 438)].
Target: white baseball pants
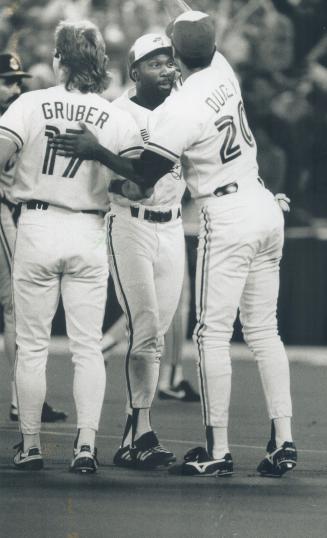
[(240, 247), (57, 252), (146, 261), (7, 242)]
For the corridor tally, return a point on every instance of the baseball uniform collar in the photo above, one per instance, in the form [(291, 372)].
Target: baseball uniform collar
[(195, 76)]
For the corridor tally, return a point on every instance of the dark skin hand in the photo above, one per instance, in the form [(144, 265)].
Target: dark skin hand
[(86, 146)]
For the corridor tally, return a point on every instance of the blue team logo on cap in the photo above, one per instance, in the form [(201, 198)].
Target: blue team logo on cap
[(159, 40)]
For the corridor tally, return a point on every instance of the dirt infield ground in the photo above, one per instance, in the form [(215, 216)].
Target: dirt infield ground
[(118, 503)]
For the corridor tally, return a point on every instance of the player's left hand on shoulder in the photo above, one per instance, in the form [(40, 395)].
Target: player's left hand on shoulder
[(283, 201), (81, 143)]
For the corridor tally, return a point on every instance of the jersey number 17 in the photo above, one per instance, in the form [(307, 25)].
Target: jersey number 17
[(50, 154)]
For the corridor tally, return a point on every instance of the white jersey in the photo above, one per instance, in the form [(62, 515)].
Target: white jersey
[(7, 177), (204, 125), (36, 117), (169, 190)]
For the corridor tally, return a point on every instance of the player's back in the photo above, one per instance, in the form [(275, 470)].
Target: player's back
[(206, 126), (35, 118)]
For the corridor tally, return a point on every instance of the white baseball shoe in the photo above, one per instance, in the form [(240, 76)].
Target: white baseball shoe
[(84, 460), (31, 460)]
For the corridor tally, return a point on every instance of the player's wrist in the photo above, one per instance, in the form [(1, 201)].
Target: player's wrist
[(98, 153)]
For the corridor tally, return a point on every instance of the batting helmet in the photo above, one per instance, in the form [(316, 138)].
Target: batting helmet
[(146, 46)]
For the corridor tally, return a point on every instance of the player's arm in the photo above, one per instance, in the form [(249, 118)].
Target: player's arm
[(13, 130), (144, 171), (7, 150)]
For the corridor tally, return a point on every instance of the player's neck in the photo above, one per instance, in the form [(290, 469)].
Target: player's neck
[(147, 99), (60, 75), (186, 72)]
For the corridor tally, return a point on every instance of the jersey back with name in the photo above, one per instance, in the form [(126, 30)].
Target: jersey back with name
[(204, 124), (36, 117)]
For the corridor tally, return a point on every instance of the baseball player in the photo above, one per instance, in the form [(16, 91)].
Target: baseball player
[(240, 240), (11, 78), (61, 243), (146, 246)]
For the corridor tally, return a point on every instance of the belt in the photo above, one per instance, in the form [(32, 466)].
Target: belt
[(226, 189), (155, 216), (38, 204), (230, 188)]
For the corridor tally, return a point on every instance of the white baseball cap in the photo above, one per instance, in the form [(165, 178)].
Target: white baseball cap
[(146, 45)]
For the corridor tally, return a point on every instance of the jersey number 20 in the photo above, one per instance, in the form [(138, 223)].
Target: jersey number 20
[(229, 150), (51, 154)]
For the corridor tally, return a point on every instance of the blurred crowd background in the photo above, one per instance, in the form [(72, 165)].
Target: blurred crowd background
[(278, 48)]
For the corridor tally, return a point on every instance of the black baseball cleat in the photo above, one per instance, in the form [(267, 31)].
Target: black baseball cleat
[(147, 453), (197, 462), (84, 460), (31, 460), (183, 392), (124, 457), (49, 414), (278, 460)]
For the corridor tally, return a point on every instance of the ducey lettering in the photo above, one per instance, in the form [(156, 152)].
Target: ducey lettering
[(71, 112), (219, 97)]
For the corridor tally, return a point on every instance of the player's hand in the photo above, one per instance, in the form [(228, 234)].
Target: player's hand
[(134, 192), (82, 144), (283, 201)]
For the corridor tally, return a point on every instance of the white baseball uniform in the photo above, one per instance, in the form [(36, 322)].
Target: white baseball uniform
[(7, 242), (146, 245), (241, 234), (61, 242)]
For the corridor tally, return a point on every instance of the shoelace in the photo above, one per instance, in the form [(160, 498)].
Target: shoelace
[(95, 455)]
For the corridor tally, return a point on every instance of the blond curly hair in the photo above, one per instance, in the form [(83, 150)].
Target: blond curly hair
[(82, 53)]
